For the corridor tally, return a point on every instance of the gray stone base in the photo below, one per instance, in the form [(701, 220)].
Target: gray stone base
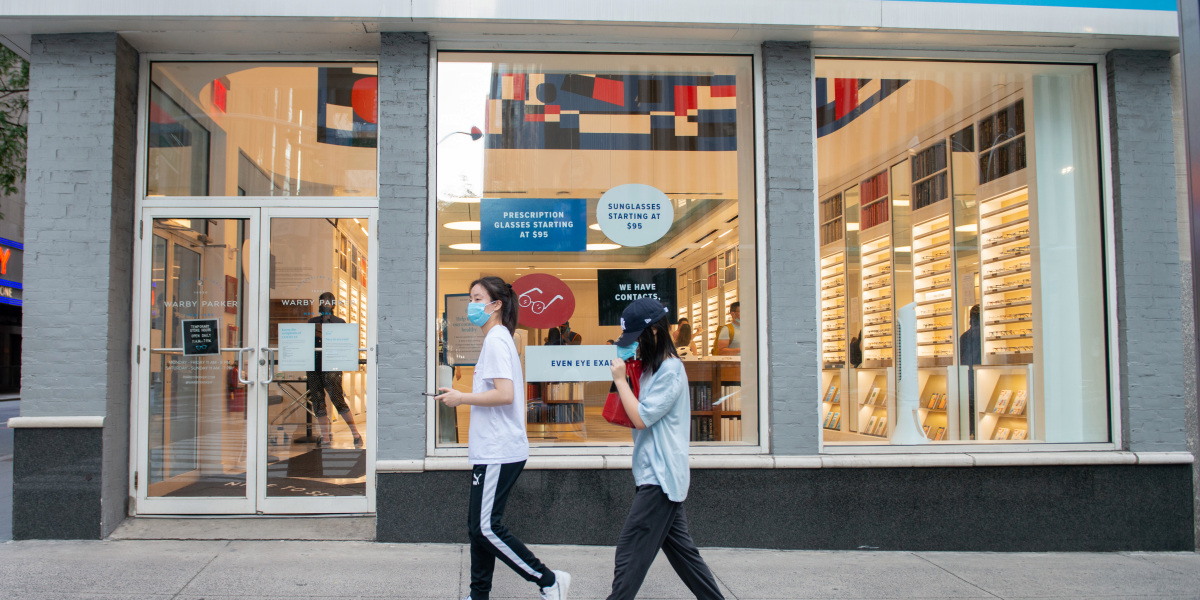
[(56, 484), (1001, 509)]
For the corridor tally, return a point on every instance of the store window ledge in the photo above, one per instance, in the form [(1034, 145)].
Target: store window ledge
[(55, 422), (847, 461)]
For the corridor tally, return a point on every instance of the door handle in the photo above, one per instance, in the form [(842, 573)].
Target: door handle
[(240, 366), (266, 353)]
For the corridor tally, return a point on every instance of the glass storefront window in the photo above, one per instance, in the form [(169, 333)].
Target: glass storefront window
[(262, 129), (587, 181), (961, 255)]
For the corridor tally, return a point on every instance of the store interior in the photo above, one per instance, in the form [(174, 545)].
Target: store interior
[(933, 193)]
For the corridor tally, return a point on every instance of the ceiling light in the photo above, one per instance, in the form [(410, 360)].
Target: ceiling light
[(595, 226), (463, 225), (900, 203), (603, 246), (464, 246), (851, 226), (706, 244), (364, 229), (904, 249), (724, 234), (967, 228)]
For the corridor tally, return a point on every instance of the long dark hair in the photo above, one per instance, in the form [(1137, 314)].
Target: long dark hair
[(498, 290), (654, 349), (684, 337)]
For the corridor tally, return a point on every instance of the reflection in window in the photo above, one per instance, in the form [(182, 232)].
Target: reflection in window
[(932, 201), (262, 129), (520, 134)]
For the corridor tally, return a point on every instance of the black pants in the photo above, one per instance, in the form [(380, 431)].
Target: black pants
[(320, 382), (490, 539), (655, 522)]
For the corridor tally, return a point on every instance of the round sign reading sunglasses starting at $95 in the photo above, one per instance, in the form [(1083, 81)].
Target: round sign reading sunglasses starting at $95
[(634, 214)]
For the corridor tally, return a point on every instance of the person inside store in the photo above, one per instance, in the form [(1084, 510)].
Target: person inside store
[(661, 416), (569, 338), (684, 342), (856, 350), (970, 354), (729, 338), (320, 382), (497, 445)]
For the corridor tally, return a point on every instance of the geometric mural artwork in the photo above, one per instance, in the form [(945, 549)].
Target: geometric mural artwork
[(347, 113), (579, 111), (840, 101)]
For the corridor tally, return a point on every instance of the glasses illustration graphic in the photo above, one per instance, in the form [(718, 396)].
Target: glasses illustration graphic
[(537, 306)]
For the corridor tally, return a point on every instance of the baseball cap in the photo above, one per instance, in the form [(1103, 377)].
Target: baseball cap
[(639, 315)]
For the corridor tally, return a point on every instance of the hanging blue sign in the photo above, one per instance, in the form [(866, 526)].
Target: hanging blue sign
[(533, 225)]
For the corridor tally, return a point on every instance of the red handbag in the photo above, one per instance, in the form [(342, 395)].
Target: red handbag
[(614, 410)]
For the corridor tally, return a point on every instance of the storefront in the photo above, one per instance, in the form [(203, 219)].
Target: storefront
[(927, 292)]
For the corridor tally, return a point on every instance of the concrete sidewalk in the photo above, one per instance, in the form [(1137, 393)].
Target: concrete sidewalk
[(192, 570)]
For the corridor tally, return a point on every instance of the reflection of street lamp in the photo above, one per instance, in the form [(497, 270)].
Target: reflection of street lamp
[(475, 134)]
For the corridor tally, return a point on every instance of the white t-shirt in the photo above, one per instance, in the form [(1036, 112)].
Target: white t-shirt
[(497, 434)]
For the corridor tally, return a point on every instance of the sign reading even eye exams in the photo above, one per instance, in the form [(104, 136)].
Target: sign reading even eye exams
[(634, 214), (532, 225), (569, 363)]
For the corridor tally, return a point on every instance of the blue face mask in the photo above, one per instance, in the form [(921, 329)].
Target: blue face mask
[(476, 315), (627, 352)]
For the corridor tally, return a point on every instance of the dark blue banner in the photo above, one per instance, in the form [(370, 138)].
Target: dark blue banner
[(533, 224)]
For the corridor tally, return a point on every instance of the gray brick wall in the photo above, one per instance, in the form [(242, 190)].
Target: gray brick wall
[(78, 226), (791, 251), (1147, 252), (403, 218)]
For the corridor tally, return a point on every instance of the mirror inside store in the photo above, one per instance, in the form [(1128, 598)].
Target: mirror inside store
[(586, 182), (961, 255)]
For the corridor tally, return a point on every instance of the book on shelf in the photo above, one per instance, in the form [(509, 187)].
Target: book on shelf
[(941, 433), (881, 427), (871, 397), (1002, 401), (828, 392), (837, 397), (1001, 434), (870, 428), (828, 419), (932, 402), (1018, 434), (926, 430), (1019, 403), (942, 401), (837, 421)]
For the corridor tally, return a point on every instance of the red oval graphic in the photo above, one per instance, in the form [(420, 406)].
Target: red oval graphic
[(545, 301)]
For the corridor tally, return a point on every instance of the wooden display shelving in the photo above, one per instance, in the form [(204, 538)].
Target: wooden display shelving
[(713, 378), (1006, 279)]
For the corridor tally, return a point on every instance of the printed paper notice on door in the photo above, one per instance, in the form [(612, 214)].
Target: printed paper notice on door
[(339, 347), (297, 346)]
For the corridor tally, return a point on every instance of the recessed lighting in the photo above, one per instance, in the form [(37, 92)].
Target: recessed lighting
[(900, 203), (851, 226), (463, 225), (464, 246), (967, 228), (595, 226), (706, 244), (603, 246), (904, 249), (724, 234)]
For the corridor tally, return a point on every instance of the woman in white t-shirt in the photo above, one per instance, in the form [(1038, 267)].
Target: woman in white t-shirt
[(497, 445)]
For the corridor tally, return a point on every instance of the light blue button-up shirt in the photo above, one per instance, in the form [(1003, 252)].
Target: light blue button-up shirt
[(660, 451)]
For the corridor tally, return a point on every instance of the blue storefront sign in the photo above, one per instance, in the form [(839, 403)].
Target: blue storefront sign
[(533, 224)]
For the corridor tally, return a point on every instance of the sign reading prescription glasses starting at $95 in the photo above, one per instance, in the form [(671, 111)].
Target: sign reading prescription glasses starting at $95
[(569, 363), (634, 214), (532, 225)]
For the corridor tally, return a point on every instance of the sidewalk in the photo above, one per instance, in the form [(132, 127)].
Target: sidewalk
[(192, 570)]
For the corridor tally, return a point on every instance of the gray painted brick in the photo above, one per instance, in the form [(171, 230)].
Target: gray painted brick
[(791, 253), (403, 215), (1147, 250), (79, 231)]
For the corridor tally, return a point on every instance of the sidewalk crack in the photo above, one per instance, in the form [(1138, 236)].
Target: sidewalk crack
[(954, 575), (197, 574)]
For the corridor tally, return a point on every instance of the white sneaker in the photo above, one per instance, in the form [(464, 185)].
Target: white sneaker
[(558, 591)]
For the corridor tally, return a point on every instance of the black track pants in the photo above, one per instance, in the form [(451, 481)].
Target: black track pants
[(655, 522), (490, 539)]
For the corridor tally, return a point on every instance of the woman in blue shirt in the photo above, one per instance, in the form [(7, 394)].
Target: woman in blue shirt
[(661, 415)]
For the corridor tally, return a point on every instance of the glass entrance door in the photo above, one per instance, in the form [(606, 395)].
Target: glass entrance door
[(255, 362), (314, 316)]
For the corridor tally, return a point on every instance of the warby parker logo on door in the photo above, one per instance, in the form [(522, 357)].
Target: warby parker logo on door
[(545, 301)]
